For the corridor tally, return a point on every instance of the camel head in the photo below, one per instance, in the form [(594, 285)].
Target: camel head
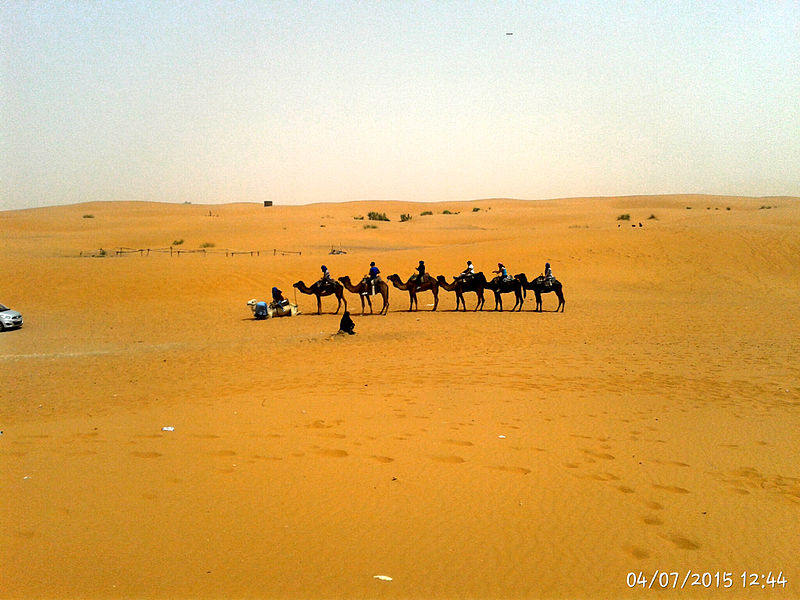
[(252, 304), (344, 278), (521, 277)]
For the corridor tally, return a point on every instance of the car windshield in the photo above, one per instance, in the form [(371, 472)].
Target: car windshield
[(2, 308)]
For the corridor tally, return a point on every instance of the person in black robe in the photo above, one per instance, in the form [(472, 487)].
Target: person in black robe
[(346, 325)]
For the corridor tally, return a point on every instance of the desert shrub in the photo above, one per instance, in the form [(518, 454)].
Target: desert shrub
[(359, 218), (370, 226), (425, 213), (652, 218), (88, 216), (405, 217), (376, 216), (727, 208), (177, 242), (475, 209), (625, 217), (207, 245), (446, 212)]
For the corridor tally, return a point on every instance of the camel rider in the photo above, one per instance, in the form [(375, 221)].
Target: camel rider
[(466, 273), (548, 275), (502, 271), (277, 297), (326, 279), (421, 276), (372, 277)]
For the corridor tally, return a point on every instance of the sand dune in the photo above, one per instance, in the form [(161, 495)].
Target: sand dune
[(651, 426)]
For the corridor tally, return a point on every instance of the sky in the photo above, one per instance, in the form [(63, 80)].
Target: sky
[(299, 102)]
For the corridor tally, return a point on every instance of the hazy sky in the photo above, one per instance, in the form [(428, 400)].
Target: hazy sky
[(301, 102)]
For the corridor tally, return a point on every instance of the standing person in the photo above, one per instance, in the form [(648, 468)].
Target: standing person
[(468, 272)]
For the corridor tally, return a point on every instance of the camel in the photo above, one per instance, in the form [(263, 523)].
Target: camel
[(318, 289), (362, 289), (538, 286), (476, 284), (411, 286), (262, 310), (506, 287)]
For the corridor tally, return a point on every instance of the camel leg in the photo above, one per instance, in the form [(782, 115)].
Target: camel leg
[(435, 298), (319, 305), (362, 305)]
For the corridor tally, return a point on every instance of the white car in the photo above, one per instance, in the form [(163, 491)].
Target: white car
[(9, 319)]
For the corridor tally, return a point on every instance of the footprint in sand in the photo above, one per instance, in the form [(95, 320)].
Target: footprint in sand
[(382, 459), (637, 552), (332, 452), (453, 460), (681, 542), (652, 520), (653, 505), (459, 442), (625, 489), (223, 453), (518, 470), (595, 454), (147, 454), (671, 488)]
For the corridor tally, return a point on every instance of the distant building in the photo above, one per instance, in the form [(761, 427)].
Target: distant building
[(267, 202)]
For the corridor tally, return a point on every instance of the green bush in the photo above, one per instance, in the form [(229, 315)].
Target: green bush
[(376, 216), (475, 209), (370, 226), (625, 217), (404, 217), (88, 216), (177, 242), (359, 218), (446, 212), (652, 218), (425, 213), (207, 245)]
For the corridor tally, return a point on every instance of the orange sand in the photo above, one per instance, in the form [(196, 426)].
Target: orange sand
[(651, 426)]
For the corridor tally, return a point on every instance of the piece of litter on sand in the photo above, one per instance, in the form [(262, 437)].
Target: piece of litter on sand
[(502, 437), (382, 577), (167, 429)]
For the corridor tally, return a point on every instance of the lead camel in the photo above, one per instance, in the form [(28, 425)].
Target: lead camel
[(317, 289)]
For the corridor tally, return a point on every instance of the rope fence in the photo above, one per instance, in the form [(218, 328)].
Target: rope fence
[(172, 251)]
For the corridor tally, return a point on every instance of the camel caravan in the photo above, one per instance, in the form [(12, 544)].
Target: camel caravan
[(421, 281)]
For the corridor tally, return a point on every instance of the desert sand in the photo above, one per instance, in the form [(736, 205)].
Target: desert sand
[(649, 428)]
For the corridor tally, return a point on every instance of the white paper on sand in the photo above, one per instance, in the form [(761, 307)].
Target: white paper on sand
[(382, 577)]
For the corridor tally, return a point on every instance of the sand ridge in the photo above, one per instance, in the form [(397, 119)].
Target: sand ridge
[(652, 425)]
